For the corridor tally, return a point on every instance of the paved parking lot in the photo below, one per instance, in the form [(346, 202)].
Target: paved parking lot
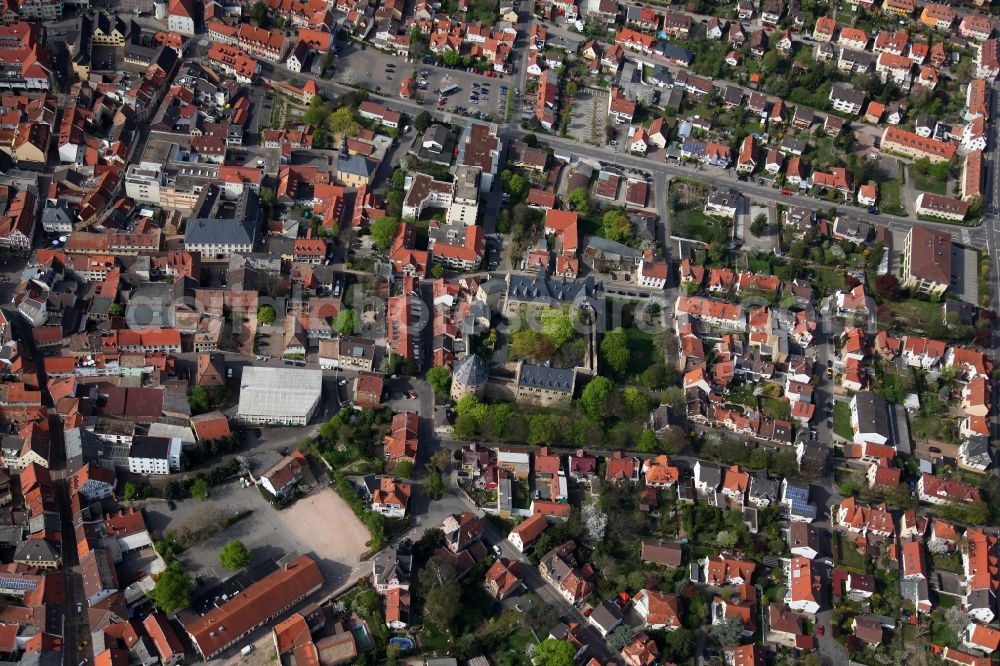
[(320, 524), (589, 114), (964, 274), (368, 68)]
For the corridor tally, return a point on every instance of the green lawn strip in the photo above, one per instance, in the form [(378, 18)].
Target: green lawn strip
[(842, 421)]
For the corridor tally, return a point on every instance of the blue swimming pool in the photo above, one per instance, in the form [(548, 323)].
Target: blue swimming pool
[(403, 642)]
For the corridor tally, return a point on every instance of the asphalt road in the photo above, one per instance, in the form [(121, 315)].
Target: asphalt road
[(660, 171)]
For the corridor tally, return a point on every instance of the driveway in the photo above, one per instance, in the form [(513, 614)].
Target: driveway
[(830, 651)]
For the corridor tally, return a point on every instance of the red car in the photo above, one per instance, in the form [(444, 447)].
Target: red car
[(786, 193), (820, 630)]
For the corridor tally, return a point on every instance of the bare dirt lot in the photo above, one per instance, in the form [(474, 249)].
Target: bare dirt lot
[(321, 525)]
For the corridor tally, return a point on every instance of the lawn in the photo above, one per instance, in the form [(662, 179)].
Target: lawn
[(842, 421), (828, 280), (925, 184), (951, 562), (644, 352), (695, 225), (891, 200), (847, 554), (918, 310), (824, 153), (946, 601), (932, 426)]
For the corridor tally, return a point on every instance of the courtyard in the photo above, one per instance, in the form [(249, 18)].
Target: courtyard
[(320, 524)]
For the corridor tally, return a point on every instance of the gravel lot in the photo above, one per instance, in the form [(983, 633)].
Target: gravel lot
[(320, 524)]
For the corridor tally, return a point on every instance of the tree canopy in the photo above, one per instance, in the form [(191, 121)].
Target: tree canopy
[(555, 653), (578, 200), (440, 380), (615, 350), (382, 230), (342, 121), (267, 315), (596, 397), (617, 226), (235, 555), (423, 119), (557, 326), (172, 590)]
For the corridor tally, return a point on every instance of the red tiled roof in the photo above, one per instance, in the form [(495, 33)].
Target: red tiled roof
[(223, 625)]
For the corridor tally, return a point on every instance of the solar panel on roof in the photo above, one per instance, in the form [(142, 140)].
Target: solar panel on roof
[(18, 583)]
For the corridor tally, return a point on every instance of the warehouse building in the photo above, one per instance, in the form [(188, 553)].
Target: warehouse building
[(279, 396)]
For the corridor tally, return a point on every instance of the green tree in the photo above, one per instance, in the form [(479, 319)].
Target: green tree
[(266, 315), (116, 310), (235, 555), (403, 469), (423, 119), (199, 489), (317, 113), (679, 644), (346, 321), (729, 632), (647, 441), (620, 637), (452, 58), (617, 226), (259, 14), (634, 402), (174, 490), (531, 344), (443, 593), (596, 397), (557, 326), (572, 89), (654, 377), (133, 491), (759, 225), (672, 440), (551, 652), (542, 429), (269, 202), (436, 485), (382, 230), (199, 400), (437, 271), (615, 350), (342, 121), (517, 185), (578, 200), (439, 378), (398, 179), (172, 590)]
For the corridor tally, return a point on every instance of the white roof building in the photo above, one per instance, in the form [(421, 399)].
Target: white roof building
[(279, 396)]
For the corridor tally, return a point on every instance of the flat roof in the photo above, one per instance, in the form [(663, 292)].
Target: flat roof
[(279, 392)]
